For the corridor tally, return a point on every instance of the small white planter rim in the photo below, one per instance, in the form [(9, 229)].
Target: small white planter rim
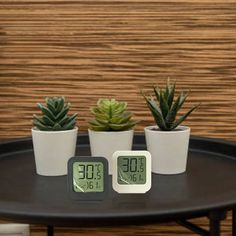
[(176, 130), (110, 132), (34, 129)]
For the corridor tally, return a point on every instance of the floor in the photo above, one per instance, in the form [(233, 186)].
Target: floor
[(169, 229)]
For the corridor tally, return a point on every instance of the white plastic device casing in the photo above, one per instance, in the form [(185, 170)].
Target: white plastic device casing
[(131, 188)]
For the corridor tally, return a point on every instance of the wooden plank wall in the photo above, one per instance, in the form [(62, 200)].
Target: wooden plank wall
[(89, 49)]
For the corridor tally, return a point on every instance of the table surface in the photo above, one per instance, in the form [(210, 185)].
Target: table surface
[(208, 184)]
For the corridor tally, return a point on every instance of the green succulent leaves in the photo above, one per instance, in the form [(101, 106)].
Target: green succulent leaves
[(111, 115), (164, 107), (54, 115)]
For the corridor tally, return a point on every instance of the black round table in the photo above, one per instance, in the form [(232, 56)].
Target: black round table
[(206, 189)]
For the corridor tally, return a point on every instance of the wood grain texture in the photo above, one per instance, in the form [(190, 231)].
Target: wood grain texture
[(167, 229), (89, 49)]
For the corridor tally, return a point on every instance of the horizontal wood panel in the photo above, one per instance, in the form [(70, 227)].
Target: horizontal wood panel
[(167, 229), (89, 49)]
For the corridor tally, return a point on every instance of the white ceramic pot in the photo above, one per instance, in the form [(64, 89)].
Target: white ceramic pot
[(169, 149), (104, 144), (52, 150)]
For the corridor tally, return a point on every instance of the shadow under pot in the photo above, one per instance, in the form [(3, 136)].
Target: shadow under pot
[(105, 143), (52, 150), (169, 149)]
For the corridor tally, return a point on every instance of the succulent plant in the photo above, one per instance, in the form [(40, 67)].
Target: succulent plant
[(111, 115), (54, 115), (164, 107)]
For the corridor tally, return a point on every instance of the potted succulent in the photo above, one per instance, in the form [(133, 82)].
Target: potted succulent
[(111, 130), (54, 137), (167, 141)]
